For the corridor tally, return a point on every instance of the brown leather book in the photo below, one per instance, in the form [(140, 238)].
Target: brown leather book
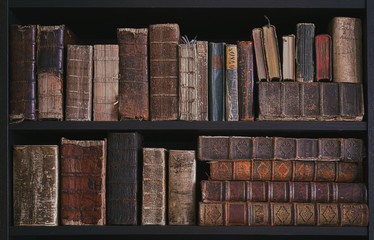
[(351, 101), (163, 50), (83, 173), (282, 214), (310, 101), (290, 100), (272, 52), (154, 187), (78, 106), (22, 77), (182, 187), (133, 68), (258, 43), (269, 101), (35, 185), (51, 44), (329, 94)]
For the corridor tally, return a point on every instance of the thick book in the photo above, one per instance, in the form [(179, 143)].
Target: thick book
[(288, 66), (78, 103), (269, 101), (182, 187), (283, 214), (22, 75), (272, 52), (35, 185), (305, 52), (83, 175), (232, 105), (351, 101), (51, 46), (258, 43), (329, 100), (290, 100), (323, 58), (105, 82), (310, 101), (133, 69), (124, 151), (163, 56), (154, 186)]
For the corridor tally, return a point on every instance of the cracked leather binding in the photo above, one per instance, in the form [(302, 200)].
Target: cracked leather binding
[(305, 52)]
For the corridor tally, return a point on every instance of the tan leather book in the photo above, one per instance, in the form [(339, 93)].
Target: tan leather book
[(288, 67), (258, 42), (272, 52)]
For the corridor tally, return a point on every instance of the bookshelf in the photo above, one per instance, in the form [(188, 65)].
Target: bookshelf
[(95, 21)]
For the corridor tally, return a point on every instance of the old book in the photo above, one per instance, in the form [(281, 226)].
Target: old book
[(323, 58), (329, 95), (288, 67), (245, 80), (232, 106), (133, 67), (216, 81), (182, 187), (305, 52), (83, 174), (122, 178), (269, 100), (258, 42), (78, 106), (35, 185), (154, 187), (22, 75), (105, 82), (272, 52), (282, 214), (290, 101), (346, 36), (51, 43), (310, 101), (258, 191), (163, 44), (351, 101)]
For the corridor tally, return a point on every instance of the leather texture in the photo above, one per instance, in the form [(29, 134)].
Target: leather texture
[(305, 52)]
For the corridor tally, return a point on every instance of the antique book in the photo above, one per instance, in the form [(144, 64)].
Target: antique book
[(245, 80), (259, 191), (269, 100), (105, 82), (310, 101), (133, 69), (182, 187), (282, 214), (35, 185), (351, 101), (305, 52), (216, 81), (329, 100), (78, 103), (272, 52), (83, 173), (346, 33), (193, 81), (124, 150), (323, 58), (290, 101), (258, 43), (154, 187), (232, 105), (163, 50), (288, 67), (22, 74), (51, 43)]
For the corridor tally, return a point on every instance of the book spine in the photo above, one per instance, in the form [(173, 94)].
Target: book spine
[(259, 49), (133, 69), (213, 148), (290, 104), (323, 58), (232, 105), (304, 52), (35, 185), (329, 100), (288, 67), (22, 84), (269, 100), (351, 101), (202, 79), (272, 52), (310, 101)]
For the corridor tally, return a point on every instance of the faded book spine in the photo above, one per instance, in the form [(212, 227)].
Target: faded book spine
[(35, 185), (22, 84), (78, 106), (182, 187), (232, 105), (304, 52), (106, 73), (288, 67), (269, 100), (329, 100), (258, 43), (310, 101), (290, 103), (351, 101), (83, 173), (272, 52), (323, 58)]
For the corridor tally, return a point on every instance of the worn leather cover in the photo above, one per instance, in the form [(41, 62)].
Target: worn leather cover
[(22, 77), (290, 102), (122, 178), (310, 101), (35, 185), (182, 187), (154, 187), (288, 67), (305, 52), (269, 100), (133, 69), (351, 103), (259, 49), (329, 94), (323, 58), (272, 52), (83, 174), (232, 105), (163, 44)]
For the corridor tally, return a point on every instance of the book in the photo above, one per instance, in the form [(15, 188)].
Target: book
[(78, 106), (83, 181), (258, 43), (22, 75), (329, 95), (290, 100), (282, 214), (351, 101), (105, 82), (323, 58), (272, 52), (35, 185), (288, 67), (154, 187), (163, 53), (124, 151), (310, 102), (305, 52), (232, 105), (133, 67), (182, 187), (269, 99)]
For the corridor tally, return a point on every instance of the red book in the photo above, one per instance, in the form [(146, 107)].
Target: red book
[(323, 58)]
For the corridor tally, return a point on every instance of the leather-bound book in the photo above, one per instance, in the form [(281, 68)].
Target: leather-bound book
[(22, 77), (124, 150), (272, 52), (232, 106), (305, 52), (133, 69), (323, 58), (290, 101), (83, 174), (258, 42), (51, 43), (269, 100), (310, 101), (288, 67), (35, 185), (351, 101), (329, 95), (182, 187), (105, 83), (154, 187), (163, 50), (78, 106)]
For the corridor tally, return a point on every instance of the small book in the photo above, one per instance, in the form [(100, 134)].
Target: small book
[(288, 67), (258, 43), (323, 58), (305, 52), (272, 52), (232, 105)]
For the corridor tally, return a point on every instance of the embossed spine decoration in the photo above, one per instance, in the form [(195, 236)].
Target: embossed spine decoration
[(305, 52), (232, 106)]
